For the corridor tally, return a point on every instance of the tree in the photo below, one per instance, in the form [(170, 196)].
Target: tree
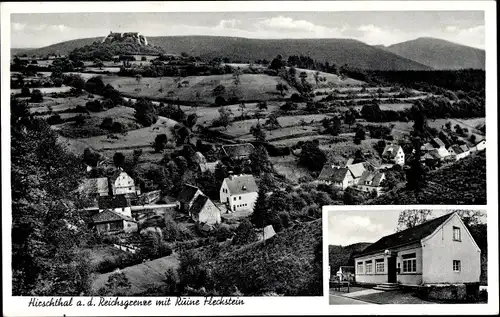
[(25, 92), (262, 105), (160, 143), (350, 118), (261, 213), (317, 77), (360, 133), (244, 233), (118, 159), (259, 161), (36, 96), (311, 156), (106, 123), (98, 63), (219, 91), (224, 117), (277, 63), (145, 112), (138, 79), (191, 120), (472, 138), (258, 133), (137, 154), (303, 77), (117, 285), (272, 122), (281, 88), (242, 107), (410, 218), (379, 147)]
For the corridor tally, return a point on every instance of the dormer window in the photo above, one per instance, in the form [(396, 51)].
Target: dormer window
[(243, 187)]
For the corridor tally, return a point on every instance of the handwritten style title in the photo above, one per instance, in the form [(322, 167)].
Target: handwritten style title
[(125, 303)]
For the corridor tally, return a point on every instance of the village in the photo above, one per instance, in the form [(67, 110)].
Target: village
[(206, 174)]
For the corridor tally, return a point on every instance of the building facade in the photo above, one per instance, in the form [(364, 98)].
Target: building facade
[(440, 251), (239, 192)]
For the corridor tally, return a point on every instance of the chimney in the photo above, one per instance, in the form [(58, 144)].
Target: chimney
[(231, 175)]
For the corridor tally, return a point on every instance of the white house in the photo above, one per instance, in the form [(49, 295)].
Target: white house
[(479, 146), (122, 183), (357, 171), (394, 153), (337, 176), (459, 151), (205, 211), (371, 181), (439, 251), (239, 192)]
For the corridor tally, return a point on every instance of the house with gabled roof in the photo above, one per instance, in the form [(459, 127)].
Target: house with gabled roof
[(122, 183), (109, 221), (187, 197), (371, 181), (337, 176), (438, 251), (356, 170), (239, 192), (458, 152), (437, 143), (394, 153), (479, 146), (238, 151), (205, 211)]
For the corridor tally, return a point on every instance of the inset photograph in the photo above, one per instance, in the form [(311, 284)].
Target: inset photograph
[(407, 256)]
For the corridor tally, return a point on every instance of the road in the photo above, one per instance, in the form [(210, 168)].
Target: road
[(340, 300)]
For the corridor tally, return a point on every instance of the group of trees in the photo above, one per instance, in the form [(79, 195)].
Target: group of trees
[(47, 230)]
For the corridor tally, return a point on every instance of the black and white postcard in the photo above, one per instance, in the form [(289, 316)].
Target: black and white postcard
[(176, 157)]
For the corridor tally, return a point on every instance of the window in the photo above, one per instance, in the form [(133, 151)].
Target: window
[(456, 266), (379, 265), (368, 266), (240, 197), (456, 234), (409, 263), (234, 198), (360, 268)]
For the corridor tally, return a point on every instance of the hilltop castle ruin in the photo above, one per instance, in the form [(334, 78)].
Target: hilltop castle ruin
[(134, 37)]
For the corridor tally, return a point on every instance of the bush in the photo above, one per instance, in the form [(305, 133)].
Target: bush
[(117, 127), (220, 101), (54, 119), (107, 123), (25, 92), (36, 96), (295, 97)]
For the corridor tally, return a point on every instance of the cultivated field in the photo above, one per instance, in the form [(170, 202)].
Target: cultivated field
[(140, 138), (199, 88)]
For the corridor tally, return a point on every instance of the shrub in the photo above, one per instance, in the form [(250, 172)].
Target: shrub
[(117, 127), (106, 123), (54, 119), (295, 97), (25, 92), (220, 101), (36, 96)]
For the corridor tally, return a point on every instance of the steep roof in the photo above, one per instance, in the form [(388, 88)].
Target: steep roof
[(333, 173), (457, 149), (111, 202), (438, 142), (408, 236), (116, 174), (241, 184), (464, 147), (427, 147), (356, 169), (374, 177), (391, 151), (187, 193), (198, 204), (210, 166), (235, 150), (109, 216)]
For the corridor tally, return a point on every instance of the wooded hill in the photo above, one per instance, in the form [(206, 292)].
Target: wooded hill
[(439, 54), (460, 183), (339, 51)]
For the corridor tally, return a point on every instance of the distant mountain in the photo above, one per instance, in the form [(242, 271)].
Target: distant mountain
[(439, 54), (63, 48), (338, 51)]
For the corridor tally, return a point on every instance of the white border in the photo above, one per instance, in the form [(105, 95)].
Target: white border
[(16, 306), (417, 309)]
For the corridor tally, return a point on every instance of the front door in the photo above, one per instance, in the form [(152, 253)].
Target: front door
[(391, 270)]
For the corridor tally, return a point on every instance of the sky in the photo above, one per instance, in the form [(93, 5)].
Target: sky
[(371, 27), (353, 226)]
